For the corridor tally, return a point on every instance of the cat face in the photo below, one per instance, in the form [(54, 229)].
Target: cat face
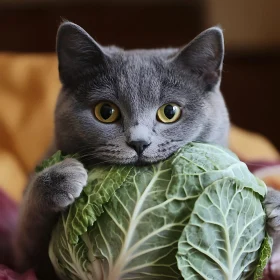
[(137, 107)]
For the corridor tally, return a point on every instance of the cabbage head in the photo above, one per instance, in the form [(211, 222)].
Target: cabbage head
[(196, 215)]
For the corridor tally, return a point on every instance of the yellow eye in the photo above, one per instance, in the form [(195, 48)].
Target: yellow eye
[(107, 112), (169, 113)]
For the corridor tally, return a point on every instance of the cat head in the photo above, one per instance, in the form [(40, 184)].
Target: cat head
[(137, 106)]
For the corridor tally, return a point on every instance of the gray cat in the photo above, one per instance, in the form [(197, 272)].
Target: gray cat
[(123, 107)]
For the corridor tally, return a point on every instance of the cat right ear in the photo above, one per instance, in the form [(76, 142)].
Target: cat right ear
[(77, 53), (204, 55)]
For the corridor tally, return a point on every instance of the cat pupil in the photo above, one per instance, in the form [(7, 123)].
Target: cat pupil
[(106, 111), (169, 111)]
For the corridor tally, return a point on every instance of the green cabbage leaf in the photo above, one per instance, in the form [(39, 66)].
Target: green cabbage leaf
[(196, 215)]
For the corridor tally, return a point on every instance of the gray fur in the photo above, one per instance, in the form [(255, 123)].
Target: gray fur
[(272, 207), (272, 203), (66, 180), (48, 193), (138, 82)]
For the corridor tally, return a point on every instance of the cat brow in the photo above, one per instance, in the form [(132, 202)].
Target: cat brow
[(103, 93), (173, 96)]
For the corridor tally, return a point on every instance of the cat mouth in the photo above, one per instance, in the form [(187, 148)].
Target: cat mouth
[(144, 160), (136, 160)]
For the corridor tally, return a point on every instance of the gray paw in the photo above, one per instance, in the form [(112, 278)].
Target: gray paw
[(272, 207), (57, 186)]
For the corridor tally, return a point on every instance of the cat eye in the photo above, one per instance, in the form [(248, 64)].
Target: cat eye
[(169, 113), (107, 112)]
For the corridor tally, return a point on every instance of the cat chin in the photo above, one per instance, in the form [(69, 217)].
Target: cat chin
[(144, 160), (141, 160), (138, 161)]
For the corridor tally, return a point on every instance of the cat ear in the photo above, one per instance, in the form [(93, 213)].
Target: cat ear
[(204, 55), (77, 52)]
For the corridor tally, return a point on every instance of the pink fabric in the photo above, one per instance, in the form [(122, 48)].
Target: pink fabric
[(256, 165), (8, 274), (8, 220)]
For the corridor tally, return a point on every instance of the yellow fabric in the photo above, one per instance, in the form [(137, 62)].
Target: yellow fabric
[(28, 90), (251, 146)]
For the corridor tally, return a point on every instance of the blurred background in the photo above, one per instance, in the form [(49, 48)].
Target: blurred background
[(252, 35), (28, 64)]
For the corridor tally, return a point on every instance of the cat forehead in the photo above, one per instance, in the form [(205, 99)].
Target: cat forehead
[(144, 71), (144, 62), (136, 73), (137, 64), (139, 78), (142, 53)]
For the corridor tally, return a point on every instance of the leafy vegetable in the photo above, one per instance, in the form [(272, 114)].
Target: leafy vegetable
[(128, 220), (265, 253), (225, 232), (102, 183), (56, 158)]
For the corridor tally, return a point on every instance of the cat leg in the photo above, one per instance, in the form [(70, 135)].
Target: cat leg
[(49, 192)]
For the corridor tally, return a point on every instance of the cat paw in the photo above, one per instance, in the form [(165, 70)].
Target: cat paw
[(272, 208), (59, 185)]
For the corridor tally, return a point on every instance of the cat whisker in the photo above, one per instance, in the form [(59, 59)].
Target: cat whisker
[(168, 142), (93, 155), (95, 152), (174, 140), (99, 162), (90, 147)]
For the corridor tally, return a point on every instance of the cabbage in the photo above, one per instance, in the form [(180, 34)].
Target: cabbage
[(196, 215)]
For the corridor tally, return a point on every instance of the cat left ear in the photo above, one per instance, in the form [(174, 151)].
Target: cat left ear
[(77, 52), (204, 55)]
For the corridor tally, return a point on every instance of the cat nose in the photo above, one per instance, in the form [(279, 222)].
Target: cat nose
[(139, 146)]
